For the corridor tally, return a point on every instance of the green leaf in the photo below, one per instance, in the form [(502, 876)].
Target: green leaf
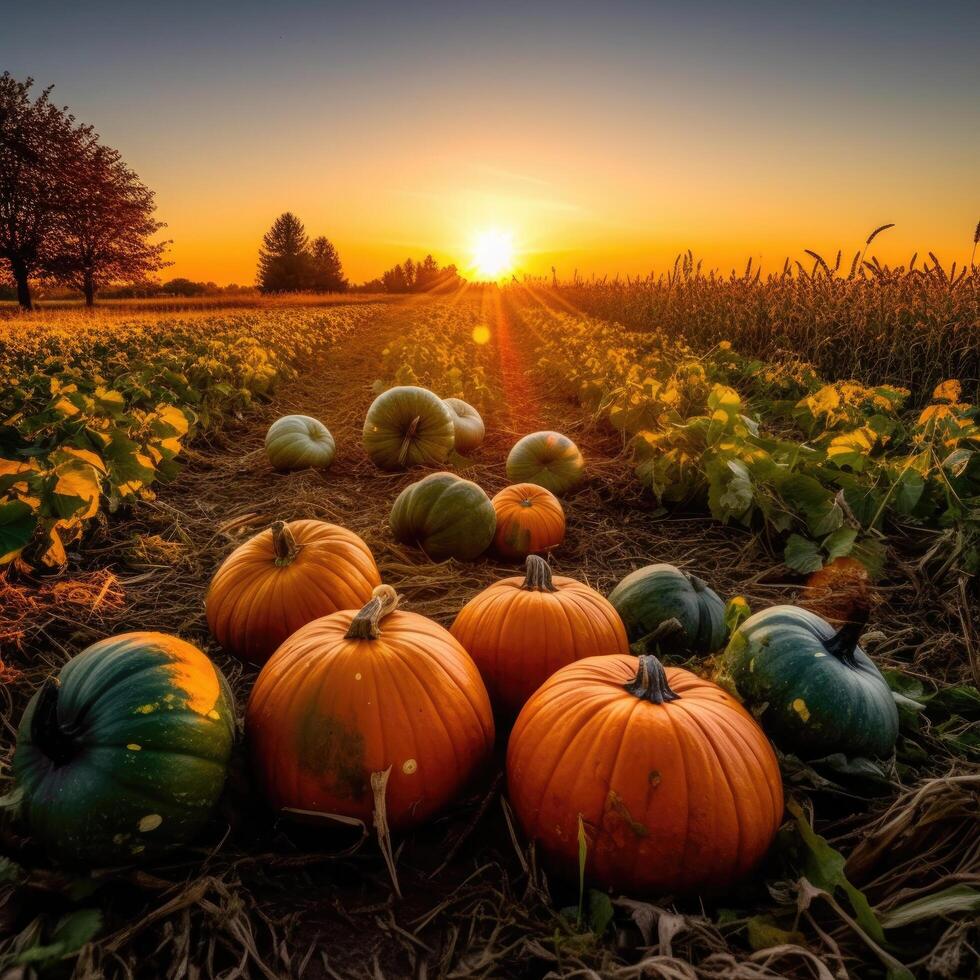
[(69, 936), (730, 491), (17, 524), (600, 911), (802, 555), (824, 867), (737, 610), (763, 933), (111, 403), (948, 901), (840, 543)]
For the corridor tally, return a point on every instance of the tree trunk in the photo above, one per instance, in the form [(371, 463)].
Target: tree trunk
[(89, 290), (19, 269)]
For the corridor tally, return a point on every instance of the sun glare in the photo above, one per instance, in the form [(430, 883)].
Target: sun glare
[(493, 253)]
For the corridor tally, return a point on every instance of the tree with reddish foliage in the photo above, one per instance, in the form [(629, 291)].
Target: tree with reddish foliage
[(36, 141), (104, 231), (70, 208)]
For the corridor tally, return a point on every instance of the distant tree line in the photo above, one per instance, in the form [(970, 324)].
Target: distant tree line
[(424, 276), (71, 211), (290, 263)]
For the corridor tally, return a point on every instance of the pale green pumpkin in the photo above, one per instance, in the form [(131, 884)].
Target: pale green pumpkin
[(408, 426), (298, 442)]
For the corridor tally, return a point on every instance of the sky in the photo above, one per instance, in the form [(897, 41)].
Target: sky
[(602, 137)]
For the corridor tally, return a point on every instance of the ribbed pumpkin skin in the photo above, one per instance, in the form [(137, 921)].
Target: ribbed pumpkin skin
[(445, 516), (467, 425), (676, 797), (326, 712), (125, 756), (530, 520), (296, 442), (254, 601), (653, 594), (408, 426), (548, 459), (816, 703), (519, 637)]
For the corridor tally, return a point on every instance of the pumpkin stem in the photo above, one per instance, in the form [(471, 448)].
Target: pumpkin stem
[(698, 584), (537, 575), (366, 625), (844, 642), (650, 683), (284, 544), (57, 743), (407, 441)]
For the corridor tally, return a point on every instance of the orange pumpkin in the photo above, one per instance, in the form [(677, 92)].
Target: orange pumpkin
[(530, 520), (282, 579), (521, 630), (677, 788), (355, 693)]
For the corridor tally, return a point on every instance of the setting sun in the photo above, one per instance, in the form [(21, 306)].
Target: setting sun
[(493, 253)]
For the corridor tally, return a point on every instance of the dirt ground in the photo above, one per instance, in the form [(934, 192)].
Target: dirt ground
[(260, 897)]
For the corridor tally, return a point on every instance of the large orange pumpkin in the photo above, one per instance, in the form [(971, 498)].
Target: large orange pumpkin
[(677, 787), (355, 693), (530, 520), (522, 629), (282, 579)]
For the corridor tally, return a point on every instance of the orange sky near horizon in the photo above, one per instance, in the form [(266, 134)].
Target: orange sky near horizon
[(604, 141)]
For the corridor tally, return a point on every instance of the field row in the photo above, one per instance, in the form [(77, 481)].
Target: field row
[(95, 410), (828, 468)]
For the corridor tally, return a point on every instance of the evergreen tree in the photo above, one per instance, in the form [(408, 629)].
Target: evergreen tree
[(284, 259), (327, 273)]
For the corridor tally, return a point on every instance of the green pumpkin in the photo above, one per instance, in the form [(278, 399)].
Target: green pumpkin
[(445, 516), (547, 459), (123, 754), (467, 424), (408, 426), (297, 442), (814, 690), (650, 596)]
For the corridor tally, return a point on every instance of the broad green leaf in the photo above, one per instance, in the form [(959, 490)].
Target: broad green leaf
[(111, 403), (17, 524), (802, 555), (852, 448), (729, 488), (840, 543), (824, 867), (75, 489), (600, 911)]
